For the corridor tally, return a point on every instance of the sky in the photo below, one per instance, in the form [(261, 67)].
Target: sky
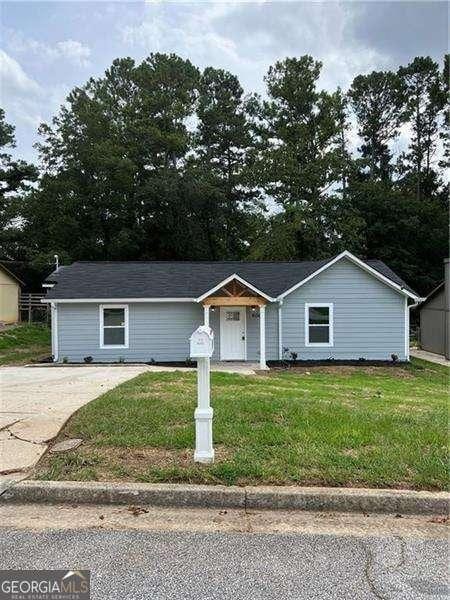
[(47, 48)]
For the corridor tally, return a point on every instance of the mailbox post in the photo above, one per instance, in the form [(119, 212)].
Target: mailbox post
[(201, 348)]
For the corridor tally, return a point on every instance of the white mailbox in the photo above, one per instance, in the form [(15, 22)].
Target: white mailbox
[(202, 342)]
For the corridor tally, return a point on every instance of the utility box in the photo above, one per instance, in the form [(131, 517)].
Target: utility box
[(202, 342)]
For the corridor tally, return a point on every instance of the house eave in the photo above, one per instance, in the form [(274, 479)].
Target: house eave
[(242, 281), (114, 300)]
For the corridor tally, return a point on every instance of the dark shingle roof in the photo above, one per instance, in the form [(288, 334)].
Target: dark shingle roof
[(155, 279)]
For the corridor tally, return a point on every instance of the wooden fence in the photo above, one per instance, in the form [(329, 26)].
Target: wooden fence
[(32, 309)]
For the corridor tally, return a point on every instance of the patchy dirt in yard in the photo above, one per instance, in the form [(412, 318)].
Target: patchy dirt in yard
[(280, 388), (26, 354), (156, 457), (124, 464), (357, 452), (409, 407)]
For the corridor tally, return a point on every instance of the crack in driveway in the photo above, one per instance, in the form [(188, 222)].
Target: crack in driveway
[(37, 402), (16, 437)]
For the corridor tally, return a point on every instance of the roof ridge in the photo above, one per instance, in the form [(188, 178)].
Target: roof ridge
[(199, 262)]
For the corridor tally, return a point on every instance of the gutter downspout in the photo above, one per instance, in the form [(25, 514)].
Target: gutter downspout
[(280, 331), (54, 325)]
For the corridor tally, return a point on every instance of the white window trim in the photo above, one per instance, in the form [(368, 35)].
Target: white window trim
[(328, 305), (102, 326)]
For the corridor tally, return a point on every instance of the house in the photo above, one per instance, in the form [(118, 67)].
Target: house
[(342, 308), (10, 286), (434, 314)]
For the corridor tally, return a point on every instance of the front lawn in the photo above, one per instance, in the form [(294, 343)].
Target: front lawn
[(346, 426), (23, 344)]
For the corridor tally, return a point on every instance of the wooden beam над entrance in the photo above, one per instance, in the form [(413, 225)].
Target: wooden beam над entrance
[(234, 301)]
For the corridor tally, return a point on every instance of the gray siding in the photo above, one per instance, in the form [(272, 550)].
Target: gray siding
[(271, 333), (158, 331), (369, 322), (369, 317)]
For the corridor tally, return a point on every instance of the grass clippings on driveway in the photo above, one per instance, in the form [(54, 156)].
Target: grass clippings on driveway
[(23, 344), (349, 426)]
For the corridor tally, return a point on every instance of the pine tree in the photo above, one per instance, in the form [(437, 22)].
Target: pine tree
[(16, 178)]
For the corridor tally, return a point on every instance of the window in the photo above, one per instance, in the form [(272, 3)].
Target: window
[(318, 324), (114, 326), (232, 315)]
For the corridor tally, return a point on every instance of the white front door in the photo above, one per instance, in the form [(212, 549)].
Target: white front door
[(232, 332)]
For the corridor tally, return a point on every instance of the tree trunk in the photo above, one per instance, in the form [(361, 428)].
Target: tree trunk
[(419, 151)]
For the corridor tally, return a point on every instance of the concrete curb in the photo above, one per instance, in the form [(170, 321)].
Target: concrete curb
[(360, 500), (92, 492), (256, 498)]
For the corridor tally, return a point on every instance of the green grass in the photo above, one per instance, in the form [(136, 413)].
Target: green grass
[(24, 344), (361, 426)]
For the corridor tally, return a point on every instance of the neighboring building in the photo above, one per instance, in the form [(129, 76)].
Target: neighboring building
[(435, 318), (342, 308), (9, 295)]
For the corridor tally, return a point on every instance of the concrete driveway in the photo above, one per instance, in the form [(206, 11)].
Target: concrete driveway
[(35, 402)]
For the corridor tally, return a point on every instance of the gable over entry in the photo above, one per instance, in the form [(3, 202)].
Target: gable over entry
[(235, 293)]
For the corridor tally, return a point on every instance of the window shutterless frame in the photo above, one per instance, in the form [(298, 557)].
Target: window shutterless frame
[(330, 324), (102, 308)]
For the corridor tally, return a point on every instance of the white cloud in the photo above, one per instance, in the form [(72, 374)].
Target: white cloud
[(341, 67), (73, 51), (189, 32), (20, 94), (242, 36), (27, 104), (247, 38), (14, 77)]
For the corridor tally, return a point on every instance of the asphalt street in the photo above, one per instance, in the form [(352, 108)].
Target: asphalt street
[(133, 563)]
